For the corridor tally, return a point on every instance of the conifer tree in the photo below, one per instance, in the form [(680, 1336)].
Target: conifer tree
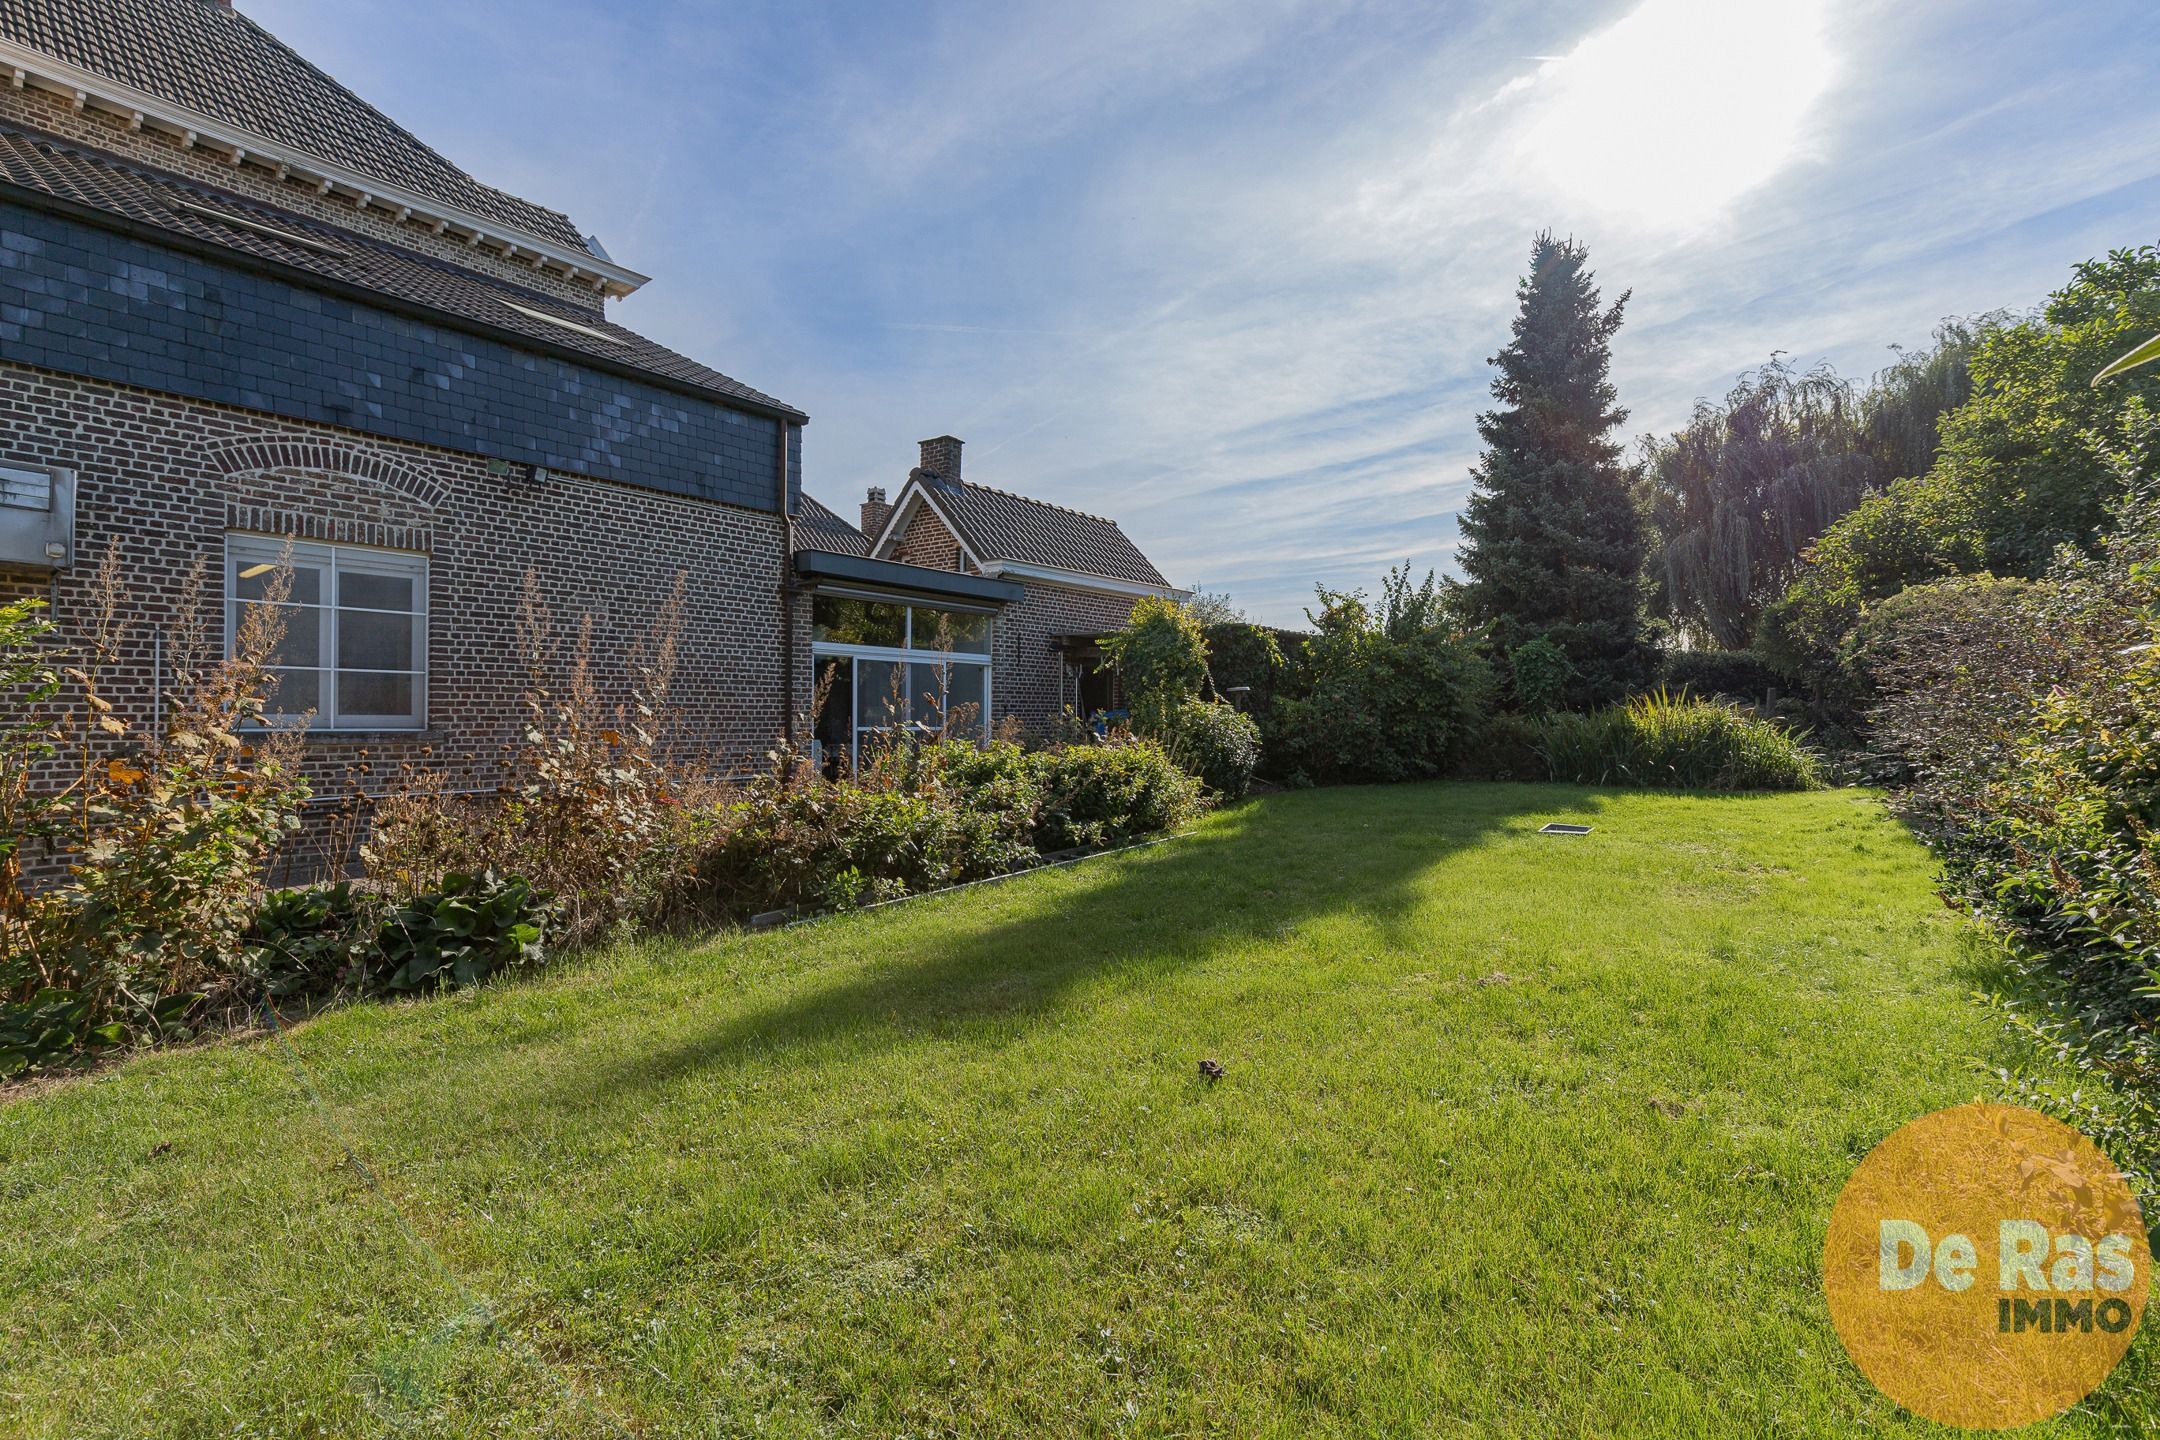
[(1552, 543)]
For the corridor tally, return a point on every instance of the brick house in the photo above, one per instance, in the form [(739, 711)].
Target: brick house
[(1029, 589), (241, 309)]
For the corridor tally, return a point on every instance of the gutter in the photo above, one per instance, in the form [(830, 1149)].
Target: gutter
[(789, 590)]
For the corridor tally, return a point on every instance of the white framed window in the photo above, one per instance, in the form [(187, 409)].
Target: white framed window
[(886, 667), (355, 646)]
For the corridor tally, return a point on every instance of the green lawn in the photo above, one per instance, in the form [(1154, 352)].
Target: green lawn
[(1520, 1135)]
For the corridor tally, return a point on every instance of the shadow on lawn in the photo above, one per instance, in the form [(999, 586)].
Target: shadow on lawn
[(1258, 873)]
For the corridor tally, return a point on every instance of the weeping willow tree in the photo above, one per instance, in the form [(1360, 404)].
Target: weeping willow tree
[(1733, 499)]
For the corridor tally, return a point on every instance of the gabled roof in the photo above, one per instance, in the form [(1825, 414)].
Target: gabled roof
[(39, 166), (817, 528), (214, 60), (997, 525)]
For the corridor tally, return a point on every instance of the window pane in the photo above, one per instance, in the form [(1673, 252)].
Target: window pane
[(375, 592), (296, 692), (368, 641), (836, 710), (949, 698), (966, 700), (952, 630), (927, 682), (374, 695), (251, 575), (301, 643), (879, 700), (859, 622)]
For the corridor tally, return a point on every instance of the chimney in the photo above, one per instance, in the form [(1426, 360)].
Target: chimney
[(941, 459), (875, 512)]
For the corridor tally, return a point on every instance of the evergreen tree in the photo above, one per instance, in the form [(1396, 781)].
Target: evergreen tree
[(1552, 543)]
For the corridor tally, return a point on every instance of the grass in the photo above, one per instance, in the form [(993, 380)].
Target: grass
[(1519, 1136)]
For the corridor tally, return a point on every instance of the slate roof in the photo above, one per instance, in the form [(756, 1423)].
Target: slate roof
[(44, 166), (215, 60), (817, 528), (999, 525)]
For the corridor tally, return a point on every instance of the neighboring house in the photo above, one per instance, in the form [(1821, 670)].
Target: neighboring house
[(1045, 582), (240, 309)]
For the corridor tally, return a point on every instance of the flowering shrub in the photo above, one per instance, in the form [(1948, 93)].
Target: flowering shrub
[(588, 808), (167, 838)]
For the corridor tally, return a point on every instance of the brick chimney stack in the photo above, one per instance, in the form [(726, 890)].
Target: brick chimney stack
[(875, 512), (941, 459)]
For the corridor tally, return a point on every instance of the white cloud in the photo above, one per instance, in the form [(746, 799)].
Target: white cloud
[(1231, 272)]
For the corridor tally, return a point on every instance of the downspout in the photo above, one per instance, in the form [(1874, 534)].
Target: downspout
[(788, 591)]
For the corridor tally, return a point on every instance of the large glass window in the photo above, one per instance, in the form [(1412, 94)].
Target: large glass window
[(948, 630), (889, 669), (355, 646), (841, 620)]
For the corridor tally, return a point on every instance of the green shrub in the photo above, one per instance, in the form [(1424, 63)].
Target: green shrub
[(1541, 672), (1246, 664), (471, 927), (920, 817), (2028, 713), (1217, 745), (312, 940), (1162, 657), (1110, 794), (1379, 693), (1661, 742), (1738, 674), (1505, 747)]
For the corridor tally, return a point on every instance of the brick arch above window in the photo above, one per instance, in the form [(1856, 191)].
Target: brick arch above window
[(335, 457)]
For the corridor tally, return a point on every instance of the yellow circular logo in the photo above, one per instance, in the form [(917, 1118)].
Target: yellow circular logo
[(1987, 1267)]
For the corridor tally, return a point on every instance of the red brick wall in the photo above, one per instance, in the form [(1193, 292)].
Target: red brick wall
[(927, 542), (165, 479), (1030, 678)]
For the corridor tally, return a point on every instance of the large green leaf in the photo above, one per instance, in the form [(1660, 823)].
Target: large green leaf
[(2140, 355)]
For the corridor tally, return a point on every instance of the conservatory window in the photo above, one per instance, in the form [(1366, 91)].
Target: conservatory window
[(885, 668)]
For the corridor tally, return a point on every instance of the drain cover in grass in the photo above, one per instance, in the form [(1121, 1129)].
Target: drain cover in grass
[(1556, 828)]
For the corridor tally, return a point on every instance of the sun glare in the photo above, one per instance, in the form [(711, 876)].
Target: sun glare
[(1679, 108)]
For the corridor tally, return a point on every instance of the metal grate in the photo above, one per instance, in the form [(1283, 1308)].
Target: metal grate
[(1556, 828), (25, 489)]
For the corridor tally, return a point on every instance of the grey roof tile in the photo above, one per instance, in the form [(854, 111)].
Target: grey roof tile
[(999, 525), (215, 60), (44, 165), (817, 528)]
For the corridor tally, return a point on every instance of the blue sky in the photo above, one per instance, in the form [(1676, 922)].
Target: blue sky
[(1231, 270)]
